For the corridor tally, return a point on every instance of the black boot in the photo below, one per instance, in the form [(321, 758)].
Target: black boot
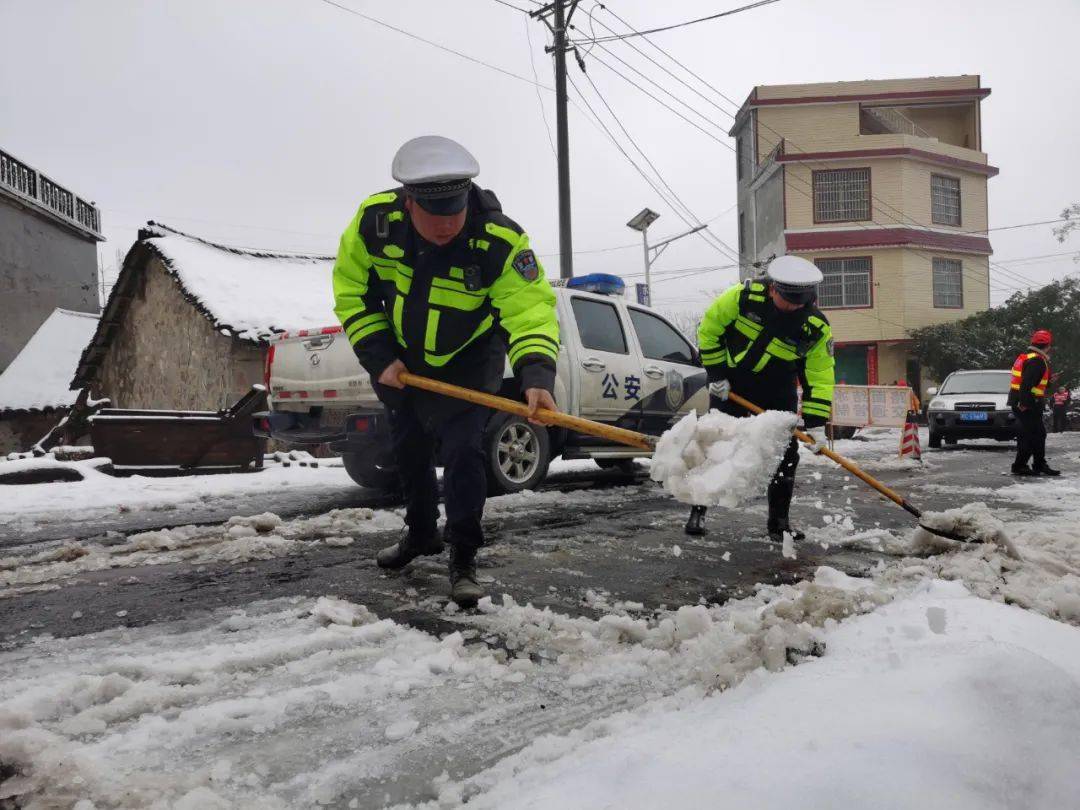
[(781, 491), (695, 524), (464, 589), (1042, 468), (1023, 470), (408, 549)]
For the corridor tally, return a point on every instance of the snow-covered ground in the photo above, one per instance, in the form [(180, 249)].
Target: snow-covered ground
[(100, 495), (948, 678)]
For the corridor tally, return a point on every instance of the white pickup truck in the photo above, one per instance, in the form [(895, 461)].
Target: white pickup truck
[(620, 363)]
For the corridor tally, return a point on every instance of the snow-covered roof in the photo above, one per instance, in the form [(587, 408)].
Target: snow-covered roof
[(39, 377), (248, 295), (252, 294)]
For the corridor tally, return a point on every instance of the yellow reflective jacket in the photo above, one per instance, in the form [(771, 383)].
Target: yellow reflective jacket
[(745, 339), (396, 296)]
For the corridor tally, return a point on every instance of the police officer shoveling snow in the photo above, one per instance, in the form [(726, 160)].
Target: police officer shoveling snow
[(764, 339), (432, 278)]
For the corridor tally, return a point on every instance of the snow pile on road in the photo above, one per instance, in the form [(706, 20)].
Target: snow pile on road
[(102, 497), (972, 521), (720, 460), (258, 537), (306, 702), (995, 687)]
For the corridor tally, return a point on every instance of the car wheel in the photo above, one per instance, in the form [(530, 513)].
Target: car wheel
[(935, 440), (950, 440), (518, 454), (626, 466), (367, 474)]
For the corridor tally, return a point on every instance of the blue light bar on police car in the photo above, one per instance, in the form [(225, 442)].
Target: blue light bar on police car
[(602, 283)]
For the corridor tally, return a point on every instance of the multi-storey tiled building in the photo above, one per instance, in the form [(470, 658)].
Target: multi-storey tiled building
[(883, 185)]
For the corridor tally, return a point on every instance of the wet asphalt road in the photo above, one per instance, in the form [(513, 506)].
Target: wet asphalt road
[(619, 547)]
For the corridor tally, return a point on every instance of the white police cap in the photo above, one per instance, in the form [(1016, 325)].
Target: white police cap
[(432, 160), (793, 271), (795, 278)]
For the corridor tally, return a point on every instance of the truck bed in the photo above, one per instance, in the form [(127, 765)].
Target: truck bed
[(317, 367)]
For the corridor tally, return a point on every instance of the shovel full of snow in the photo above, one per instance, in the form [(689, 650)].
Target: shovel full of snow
[(956, 524)]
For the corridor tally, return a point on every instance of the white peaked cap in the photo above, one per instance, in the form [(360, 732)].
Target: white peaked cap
[(793, 271), (433, 159)]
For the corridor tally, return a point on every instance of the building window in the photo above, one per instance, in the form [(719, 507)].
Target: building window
[(739, 157), (841, 195), (948, 283), (742, 234), (944, 200), (846, 283)]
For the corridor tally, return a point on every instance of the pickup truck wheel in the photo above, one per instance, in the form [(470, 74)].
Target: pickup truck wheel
[(518, 454), (366, 474), (935, 439)]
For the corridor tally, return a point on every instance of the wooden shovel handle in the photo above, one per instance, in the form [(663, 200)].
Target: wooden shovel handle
[(847, 464), (615, 434)]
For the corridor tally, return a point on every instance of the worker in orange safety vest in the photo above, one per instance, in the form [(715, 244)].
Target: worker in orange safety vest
[(1027, 398)]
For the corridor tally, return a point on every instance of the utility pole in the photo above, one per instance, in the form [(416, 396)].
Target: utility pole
[(558, 26)]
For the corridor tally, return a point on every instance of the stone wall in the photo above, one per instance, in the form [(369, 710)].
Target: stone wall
[(43, 265), (18, 432), (168, 355)]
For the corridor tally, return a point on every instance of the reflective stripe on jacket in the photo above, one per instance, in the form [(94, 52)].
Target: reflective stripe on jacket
[(1039, 389)]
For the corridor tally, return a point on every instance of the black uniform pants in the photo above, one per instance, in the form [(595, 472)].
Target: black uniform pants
[(1059, 418), (459, 439), (1030, 437)]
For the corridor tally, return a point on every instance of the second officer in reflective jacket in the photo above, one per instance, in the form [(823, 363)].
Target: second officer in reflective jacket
[(431, 277), (764, 340)]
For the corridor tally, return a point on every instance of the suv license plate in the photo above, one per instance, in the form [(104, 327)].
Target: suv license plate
[(974, 417)]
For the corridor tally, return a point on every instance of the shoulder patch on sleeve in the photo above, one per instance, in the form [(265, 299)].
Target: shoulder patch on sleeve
[(526, 265), (830, 347)]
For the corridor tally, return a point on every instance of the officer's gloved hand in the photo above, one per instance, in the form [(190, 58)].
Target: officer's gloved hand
[(806, 423), (720, 389)]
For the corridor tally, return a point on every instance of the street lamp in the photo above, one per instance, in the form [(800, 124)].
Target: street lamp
[(641, 222)]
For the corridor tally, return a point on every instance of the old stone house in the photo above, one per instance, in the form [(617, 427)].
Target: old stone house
[(188, 322), (35, 390)]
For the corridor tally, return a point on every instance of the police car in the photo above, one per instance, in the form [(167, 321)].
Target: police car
[(620, 363)]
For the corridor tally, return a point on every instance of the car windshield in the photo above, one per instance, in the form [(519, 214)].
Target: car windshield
[(989, 382)]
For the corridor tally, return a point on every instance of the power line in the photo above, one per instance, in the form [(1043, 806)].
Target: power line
[(539, 98), (433, 44), (674, 195), (626, 155), (1033, 258), (511, 5), (694, 124), (1023, 225), (683, 24)]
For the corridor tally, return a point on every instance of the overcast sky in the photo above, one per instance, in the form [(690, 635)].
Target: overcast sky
[(266, 122)]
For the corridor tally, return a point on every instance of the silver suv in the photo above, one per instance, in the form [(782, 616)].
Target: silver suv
[(971, 405)]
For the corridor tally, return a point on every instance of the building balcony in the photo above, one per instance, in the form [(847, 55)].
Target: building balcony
[(953, 124), (29, 186), (889, 145)]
